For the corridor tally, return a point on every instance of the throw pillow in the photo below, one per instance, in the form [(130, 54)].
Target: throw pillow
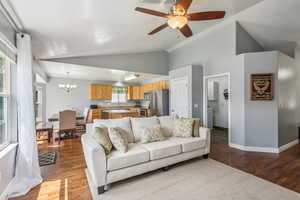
[(101, 136), (139, 123), (196, 127), (118, 140), (153, 134), (183, 127), (167, 124)]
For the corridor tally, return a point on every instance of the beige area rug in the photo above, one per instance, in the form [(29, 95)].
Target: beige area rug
[(198, 180)]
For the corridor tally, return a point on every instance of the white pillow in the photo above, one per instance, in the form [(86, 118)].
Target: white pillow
[(167, 124), (138, 124), (123, 124)]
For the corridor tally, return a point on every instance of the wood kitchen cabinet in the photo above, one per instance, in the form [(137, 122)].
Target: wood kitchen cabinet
[(94, 114), (100, 92), (164, 85), (135, 93)]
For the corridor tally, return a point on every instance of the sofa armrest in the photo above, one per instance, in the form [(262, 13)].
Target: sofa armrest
[(95, 158), (205, 135), (89, 128)]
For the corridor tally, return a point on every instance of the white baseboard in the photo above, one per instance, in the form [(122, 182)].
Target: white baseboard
[(265, 149), (288, 145), (255, 149)]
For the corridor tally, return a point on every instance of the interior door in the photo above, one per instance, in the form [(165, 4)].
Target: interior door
[(179, 97)]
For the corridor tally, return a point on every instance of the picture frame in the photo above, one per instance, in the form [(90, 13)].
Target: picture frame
[(261, 87)]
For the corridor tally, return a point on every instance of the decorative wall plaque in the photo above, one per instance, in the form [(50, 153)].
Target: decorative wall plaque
[(262, 87)]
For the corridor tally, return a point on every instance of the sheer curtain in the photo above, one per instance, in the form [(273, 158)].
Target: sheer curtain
[(28, 174)]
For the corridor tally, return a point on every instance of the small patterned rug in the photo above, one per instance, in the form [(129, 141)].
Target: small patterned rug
[(48, 158)]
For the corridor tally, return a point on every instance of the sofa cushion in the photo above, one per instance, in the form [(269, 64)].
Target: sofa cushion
[(162, 149), (196, 127), (136, 154), (167, 124), (189, 144), (139, 123), (123, 124)]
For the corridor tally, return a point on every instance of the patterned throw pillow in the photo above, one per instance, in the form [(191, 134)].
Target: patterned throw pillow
[(101, 136), (119, 141), (153, 134), (183, 128)]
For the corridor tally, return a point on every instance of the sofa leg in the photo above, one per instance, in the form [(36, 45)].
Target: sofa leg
[(205, 156), (165, 168), (101, 190)]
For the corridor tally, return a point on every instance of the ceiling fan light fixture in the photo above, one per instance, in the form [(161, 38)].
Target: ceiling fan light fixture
[(177, 22)]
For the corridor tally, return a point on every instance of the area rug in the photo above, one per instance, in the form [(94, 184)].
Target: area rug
[(195, 180), (48, 158)]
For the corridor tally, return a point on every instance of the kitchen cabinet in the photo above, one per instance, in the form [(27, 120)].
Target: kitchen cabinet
[(100, 92), (164, 85), (148, 87), (135, 93), (94, 114)]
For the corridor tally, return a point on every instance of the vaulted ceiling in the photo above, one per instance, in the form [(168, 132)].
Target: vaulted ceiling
[(64, 28)]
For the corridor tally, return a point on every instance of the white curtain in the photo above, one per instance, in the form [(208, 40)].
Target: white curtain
[(28, 173)]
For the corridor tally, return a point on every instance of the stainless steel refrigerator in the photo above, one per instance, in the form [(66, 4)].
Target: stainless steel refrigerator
[(159, 102)]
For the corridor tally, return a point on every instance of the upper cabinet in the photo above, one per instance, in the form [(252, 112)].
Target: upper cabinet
[(135, 93), (100, 92)]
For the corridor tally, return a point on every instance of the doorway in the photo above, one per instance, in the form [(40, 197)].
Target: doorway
[(217, 106)]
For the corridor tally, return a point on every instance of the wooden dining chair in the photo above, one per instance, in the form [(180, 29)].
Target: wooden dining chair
[(67, 123)]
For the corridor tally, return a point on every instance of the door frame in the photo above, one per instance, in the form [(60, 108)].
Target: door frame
[(189, 98), (205, 100)]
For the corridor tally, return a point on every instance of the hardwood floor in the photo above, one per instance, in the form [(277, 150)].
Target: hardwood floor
[(66, 179)]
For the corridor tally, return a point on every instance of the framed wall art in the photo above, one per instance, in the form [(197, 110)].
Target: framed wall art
[(261, 87)]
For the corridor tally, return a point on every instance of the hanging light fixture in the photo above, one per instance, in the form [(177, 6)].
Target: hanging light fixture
[(68, 87)]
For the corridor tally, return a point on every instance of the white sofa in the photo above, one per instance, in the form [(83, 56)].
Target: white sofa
[(141, 158)]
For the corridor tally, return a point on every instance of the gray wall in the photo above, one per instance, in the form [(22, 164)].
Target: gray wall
[(235, 66), (261, 117), (212, 46), (245, 42), (288, 103), (152, 62)]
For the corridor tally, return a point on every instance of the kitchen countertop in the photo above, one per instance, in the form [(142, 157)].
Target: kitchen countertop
[(118, 111)]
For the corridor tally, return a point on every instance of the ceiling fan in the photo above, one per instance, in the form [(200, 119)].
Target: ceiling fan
[(178, 17)]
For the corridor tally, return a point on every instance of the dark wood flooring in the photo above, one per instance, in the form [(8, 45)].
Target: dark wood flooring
[(66, 179)]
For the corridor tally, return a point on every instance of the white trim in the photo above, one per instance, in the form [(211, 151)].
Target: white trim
[(11, 15), (254, 149), (205, 79), (288, 145)]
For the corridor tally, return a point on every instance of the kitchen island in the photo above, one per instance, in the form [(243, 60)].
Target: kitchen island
[(115, 114)]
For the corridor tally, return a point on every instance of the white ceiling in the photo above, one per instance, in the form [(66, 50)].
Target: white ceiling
[(62, 28), (60, 70)]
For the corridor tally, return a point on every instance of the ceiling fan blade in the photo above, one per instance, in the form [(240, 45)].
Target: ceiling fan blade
[(158, 29), (183, 4), (186, 31), (206, 15), (151, 12)]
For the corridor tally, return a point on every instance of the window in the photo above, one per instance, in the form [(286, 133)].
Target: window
[(119, 94), (4, 100)]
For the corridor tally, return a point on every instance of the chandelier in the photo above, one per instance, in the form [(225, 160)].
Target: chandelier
[(68, 87)]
